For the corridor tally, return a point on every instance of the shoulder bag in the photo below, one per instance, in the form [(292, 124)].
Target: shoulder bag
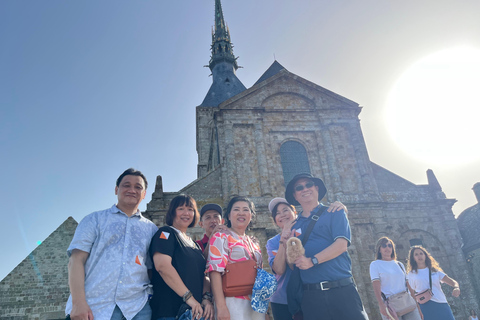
[(400, 303), (426, 295), (295, 284), (239, 277)]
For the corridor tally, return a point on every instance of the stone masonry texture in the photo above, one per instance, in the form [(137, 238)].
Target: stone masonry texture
[(38, 287)]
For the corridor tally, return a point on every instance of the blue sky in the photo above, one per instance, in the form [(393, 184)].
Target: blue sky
[(90, 88)]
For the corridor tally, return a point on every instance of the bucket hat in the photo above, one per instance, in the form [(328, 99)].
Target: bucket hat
[(322, 190)]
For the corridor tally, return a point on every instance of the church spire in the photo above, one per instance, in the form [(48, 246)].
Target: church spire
[(223, 64), (222, 48)]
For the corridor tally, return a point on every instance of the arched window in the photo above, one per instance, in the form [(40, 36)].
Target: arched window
[(294, 160)]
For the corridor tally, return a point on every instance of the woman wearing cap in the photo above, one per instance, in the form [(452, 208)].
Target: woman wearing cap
[(284, 215), (228, 247), (389, 278), (179, 265)]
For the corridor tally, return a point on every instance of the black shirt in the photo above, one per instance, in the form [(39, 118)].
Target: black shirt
[(189, 263)]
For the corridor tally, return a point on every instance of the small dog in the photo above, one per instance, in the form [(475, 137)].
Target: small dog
[(295, 249)]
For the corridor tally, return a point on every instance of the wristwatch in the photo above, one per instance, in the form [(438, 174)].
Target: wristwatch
[(314, 261)]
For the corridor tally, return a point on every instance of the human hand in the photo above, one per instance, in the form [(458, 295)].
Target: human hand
[(337, 206), (287, 232), (303, 263), (208, 311), (197, 309), (223, 313), (289, 225), (219, 228), (456, 292), (81, 311), (383, 310)]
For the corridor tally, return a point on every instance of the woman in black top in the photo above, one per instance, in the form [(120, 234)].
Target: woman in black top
[(179, 265)]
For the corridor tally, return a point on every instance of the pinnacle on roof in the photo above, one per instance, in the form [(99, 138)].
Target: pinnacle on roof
[(222, 48)]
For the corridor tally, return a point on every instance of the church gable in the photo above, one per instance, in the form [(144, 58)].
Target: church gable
[(38, 287), (287, 101), (297, 92)]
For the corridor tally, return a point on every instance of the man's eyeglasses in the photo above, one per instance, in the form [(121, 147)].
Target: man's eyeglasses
[(384, 245), (300, 187)]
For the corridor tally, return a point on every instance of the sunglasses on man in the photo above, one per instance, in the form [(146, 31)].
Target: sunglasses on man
[(300, 187)]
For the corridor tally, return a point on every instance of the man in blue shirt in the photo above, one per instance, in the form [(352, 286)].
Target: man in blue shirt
[(108, 265), (329, 291)]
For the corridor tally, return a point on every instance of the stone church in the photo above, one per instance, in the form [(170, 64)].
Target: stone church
[(252, 141), (469, 224)]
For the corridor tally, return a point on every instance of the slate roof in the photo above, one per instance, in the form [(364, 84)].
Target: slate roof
[(271, 71)]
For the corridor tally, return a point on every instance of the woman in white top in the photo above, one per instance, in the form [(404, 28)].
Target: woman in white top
[(473, 315), (420, 262), (389, 277)]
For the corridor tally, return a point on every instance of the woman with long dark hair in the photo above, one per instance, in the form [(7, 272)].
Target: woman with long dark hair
[(420, 266), (389, 278), (179, 265)]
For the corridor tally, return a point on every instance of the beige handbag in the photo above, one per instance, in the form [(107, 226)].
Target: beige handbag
[(400, 303)]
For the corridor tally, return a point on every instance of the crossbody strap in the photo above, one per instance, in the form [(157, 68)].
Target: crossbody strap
[(406, 287), (313, 220), (250, 248), (430, 278), (400, 265)]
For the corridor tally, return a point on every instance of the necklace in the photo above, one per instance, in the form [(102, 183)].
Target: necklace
[(185, 237)]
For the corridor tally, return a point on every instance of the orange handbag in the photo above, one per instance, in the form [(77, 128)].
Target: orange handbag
[(239, 278)]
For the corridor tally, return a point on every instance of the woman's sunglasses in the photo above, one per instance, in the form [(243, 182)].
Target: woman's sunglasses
[(384, 245), (300, 187)]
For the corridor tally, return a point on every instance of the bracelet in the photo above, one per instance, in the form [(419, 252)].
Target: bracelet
[(187, 295), (456, 288), (207, 296)]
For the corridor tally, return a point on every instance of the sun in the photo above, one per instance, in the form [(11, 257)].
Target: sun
[(433, 110)]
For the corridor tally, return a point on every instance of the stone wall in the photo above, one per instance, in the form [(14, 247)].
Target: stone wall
[(469, 224), (38, 287)]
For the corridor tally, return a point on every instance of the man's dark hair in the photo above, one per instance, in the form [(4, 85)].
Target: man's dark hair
[(132, 172)]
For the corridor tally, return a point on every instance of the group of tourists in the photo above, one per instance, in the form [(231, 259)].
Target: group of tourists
[(410, 293), (117, 256)]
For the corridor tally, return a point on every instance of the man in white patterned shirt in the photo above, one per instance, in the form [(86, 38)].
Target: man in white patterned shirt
[(108, 266)]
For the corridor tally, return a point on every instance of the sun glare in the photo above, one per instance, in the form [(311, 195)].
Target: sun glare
[(433, 110)]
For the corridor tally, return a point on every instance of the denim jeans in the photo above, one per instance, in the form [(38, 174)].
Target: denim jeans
[(144, 314), (186, 316)]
